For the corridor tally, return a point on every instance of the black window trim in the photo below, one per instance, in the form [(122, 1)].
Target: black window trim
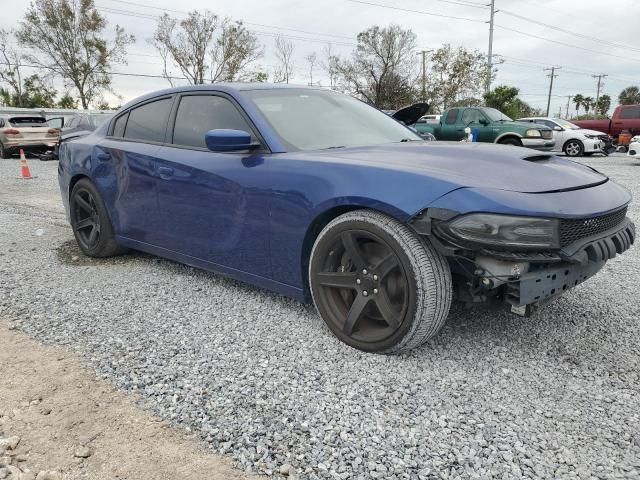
[(110, 136), (212, 93)]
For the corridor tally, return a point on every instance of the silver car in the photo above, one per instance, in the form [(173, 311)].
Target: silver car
[(29, 133)]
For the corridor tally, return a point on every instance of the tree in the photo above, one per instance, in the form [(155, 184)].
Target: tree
[(69, 41), (284, 56), (35, 93), (455, 74), (234, 51), (330, 65), (205, 47), (311, 59), (67, 102), (629, 96), (579, 101), (10, 72), (505, 99), (603, 105), (381, 70), (587, 103)]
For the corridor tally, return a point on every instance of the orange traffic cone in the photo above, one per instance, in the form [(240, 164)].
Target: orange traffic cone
[(26, 173)]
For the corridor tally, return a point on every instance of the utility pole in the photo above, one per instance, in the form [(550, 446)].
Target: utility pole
[(552, 75), (599, 77), (569, 97), (424, 73), (490, 55)]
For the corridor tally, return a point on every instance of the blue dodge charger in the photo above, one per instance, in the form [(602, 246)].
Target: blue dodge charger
[(317, 196)]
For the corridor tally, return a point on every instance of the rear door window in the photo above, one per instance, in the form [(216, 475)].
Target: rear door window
[(197, 114), (119, 125), (452, 116), (148, 122), (630, 112)]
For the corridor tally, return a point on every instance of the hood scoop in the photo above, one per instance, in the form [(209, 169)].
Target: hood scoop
[(537, 158)]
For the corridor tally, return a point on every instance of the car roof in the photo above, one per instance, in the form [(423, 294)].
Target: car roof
[(231, 88)]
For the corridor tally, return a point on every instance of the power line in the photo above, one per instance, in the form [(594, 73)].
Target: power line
[(421, 12), (565, 44), (276, 27), (581, 35)]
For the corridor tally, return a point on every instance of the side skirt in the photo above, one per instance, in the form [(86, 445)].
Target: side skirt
[(239, 275)]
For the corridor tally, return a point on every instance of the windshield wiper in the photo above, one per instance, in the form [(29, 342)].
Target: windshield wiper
[(404, 140), (331, 148)]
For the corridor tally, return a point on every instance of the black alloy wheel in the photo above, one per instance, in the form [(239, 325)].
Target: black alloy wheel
[(369, 277), (90, 221)]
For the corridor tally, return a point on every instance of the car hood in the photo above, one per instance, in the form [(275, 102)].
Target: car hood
[(586, 131), (479, 165), (527, 125), (411, 114)]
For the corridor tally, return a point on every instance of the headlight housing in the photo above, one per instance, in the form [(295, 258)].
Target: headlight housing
[(589, 136), (506, 231), (532, 133)]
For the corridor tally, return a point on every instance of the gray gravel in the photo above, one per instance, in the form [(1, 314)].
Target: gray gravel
[(262, 379)]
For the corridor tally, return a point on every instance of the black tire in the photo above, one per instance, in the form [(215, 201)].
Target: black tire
[(573, 148), (3, 153), (365, 263), (90, 221), (588, 154), (510, 141)]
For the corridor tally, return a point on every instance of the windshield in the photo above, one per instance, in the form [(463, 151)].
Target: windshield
[(565, 124), (308, 119), (496, 115)]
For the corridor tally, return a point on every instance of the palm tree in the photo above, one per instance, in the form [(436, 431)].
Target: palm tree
[(578, 100), (587, 103), (629, 96)]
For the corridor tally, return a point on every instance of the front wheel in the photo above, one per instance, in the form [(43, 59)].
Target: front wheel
[(90, 221), (573, 148), (377, 285), (510, 141)]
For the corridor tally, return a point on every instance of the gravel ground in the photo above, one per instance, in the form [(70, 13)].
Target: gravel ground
[(262, 379)]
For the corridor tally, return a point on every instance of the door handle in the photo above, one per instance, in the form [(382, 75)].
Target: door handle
[(103, 156), (165, 172)]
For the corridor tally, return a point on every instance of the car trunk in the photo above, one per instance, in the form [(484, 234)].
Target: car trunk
[(30, 130)]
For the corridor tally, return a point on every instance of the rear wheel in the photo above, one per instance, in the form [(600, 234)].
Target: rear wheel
[(510, 141), (377, 285), (90, 221), (573, 148), (3, 152)]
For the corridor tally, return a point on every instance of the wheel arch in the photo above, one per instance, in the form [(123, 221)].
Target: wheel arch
[(320, 221), (506, 135), (75, 179), (571, 140)]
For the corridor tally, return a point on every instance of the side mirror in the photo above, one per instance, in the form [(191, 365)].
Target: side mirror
[(484, 121), (558, 128), (226, 140)]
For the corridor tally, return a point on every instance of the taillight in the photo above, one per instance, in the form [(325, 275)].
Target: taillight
[(52, 132), (11, 131)]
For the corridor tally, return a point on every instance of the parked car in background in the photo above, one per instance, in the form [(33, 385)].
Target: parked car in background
[(29, 133), (571, 139), (79, 125), (492, 126), (634, 147), (345, 207), (624, 118)]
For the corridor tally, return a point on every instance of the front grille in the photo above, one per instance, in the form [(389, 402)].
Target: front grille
[(572, 230), (546, 134)]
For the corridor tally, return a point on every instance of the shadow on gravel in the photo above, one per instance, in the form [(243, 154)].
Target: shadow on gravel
[(69, 253)]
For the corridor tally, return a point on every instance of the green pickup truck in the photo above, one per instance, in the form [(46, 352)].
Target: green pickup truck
[(492, 126)]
